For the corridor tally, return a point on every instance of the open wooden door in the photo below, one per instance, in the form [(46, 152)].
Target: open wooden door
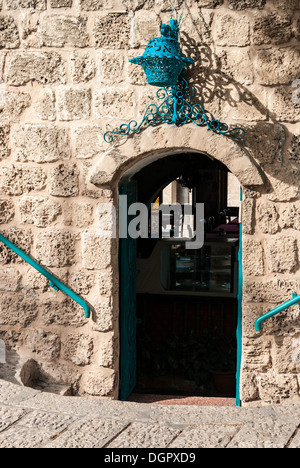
[(127, 268)]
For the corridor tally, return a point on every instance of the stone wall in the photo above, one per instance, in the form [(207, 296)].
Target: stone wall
[(66, 80)]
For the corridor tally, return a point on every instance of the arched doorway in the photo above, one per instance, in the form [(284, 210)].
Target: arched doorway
[(179, 308)]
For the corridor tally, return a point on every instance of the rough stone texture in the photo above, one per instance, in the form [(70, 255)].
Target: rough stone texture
[(41, 144), (61, 30), (17, 180), (231, 30), (9, 36), (78, 349), (42, 67), (282, 255), (112, 31), (74, 104), (39, 211), (55, 249), (7, 210), (272, 28), (64, 181), (253, 258)]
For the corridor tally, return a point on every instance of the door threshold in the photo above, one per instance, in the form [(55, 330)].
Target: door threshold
[(181, 400)]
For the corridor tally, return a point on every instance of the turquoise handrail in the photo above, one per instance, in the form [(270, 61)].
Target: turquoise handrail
[(55, 283), (277, 310)]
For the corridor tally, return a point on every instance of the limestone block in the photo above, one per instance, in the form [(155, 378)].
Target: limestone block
[(285, 184), (39, 211), (94, 384), (275, 388), (209, 3), (114, 102), (94, 5), (17, 180), (45, 107), (286, 356), (9, 36), (21, 312), (4, 134), (243, 4), (266, 142), (282, 105), (277, 66), (290, 216), (42, 67), (112, 31), (2, 352), (64, 312), (253, 263), (60, 30), (231, 29), (41, 143), (82, 67), (10, 279), (61, 3), (64, 181), (78, 214), (146, 25), (78, 349), (74, 104), (275, 291), (12, 106), (88, 141), (96, 252), (294, 149), (7, 210), (82, 282), (44, 345), (272, 28), (249, 387), (107, 282), (19, 237), (282, 254), (237, 64), (248, 215), (111, 66), (55, 248), (103, 316), (107, 354), (257, 355), (39, 5), (267, 217)]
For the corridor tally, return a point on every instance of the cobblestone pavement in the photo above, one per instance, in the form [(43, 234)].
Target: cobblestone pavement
[(33, 419)]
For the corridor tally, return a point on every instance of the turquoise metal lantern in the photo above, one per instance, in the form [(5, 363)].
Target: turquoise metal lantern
[(163, 60), (164, 64)]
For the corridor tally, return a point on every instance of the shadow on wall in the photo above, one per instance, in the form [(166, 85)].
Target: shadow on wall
[(222, 78)]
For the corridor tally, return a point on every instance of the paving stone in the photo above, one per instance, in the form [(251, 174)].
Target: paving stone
[(9, 415), (89, 433), (52, 422), (205, 437), (264, 434), (23, 437), (141, 435)]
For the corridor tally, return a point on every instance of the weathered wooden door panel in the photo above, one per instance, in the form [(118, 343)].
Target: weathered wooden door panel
[(127, 259)]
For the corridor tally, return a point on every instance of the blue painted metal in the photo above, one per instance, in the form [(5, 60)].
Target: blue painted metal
[(163, 60), (240, 314), (276, 311), (56, 284), (175, 109), (127, 269)]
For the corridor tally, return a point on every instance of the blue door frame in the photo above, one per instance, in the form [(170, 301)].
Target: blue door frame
[(240, 315), (127, 269)]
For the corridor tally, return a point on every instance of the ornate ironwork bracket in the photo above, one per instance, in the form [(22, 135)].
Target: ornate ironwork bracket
[(175, 109)]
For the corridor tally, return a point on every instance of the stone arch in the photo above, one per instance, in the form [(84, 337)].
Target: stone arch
[(155, 143)]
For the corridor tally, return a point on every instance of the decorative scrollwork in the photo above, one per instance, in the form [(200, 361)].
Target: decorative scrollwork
[(176, 110)]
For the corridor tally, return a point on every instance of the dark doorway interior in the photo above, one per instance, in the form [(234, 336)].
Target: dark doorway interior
[(187, 300)]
